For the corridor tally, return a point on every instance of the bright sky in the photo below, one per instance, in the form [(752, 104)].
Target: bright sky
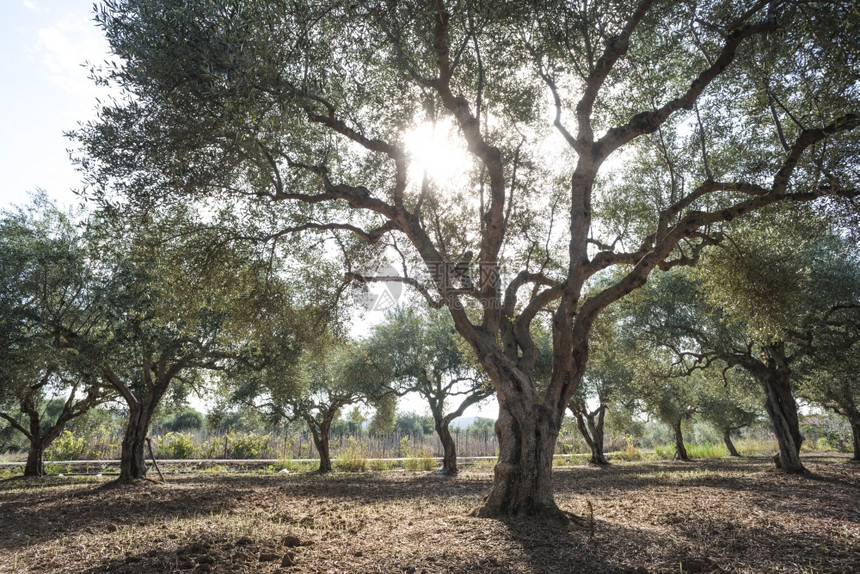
[(45, 91)]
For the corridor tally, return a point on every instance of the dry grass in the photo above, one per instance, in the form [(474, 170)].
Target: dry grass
[(656, 516)]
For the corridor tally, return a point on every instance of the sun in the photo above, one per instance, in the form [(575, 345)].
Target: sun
[(434, 148)]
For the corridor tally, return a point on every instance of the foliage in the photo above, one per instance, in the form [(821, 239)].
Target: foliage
[(826, 433), (706, 450), (176, 445), (46, 297), (482, 426), (188, 419), (672, 121), (66, 447), (247, 445), (628, 453), (353, 458), (413, 423)]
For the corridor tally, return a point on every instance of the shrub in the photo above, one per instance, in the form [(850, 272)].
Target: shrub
[(380, 464), (664, 451), (485, 463), (176, 445), (353, 458), (246, 446), (65, 447), (423, 461), (629, 452), (286, 464), (213, 447), (756, 447), (416, 460), (100, 444)]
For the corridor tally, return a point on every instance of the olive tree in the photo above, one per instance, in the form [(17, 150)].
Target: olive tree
[(581, 136), (314, 386), (422, 353), (607, 380), (828, 373), (729, 402), (760, 303), (45, 294), (170, 311)]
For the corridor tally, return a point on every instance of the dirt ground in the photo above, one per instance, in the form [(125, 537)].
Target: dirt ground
[(705, 516)]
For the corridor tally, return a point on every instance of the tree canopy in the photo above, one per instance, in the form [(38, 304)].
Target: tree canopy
[(597, 135)]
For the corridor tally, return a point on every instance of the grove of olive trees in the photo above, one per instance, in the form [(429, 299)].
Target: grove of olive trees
[(262, 160)]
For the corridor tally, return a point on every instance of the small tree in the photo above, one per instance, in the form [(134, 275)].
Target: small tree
[(45, 294), (332, 382), (608, 377), (728, 401), (671, 398), (422, 353), (312, 381), (829, 372)]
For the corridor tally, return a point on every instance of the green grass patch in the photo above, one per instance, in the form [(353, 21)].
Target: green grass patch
[(707, 450)]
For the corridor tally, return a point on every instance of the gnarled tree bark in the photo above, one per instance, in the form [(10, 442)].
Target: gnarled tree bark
[(781, 408), (132, 464), (320, 431), (591, 430)]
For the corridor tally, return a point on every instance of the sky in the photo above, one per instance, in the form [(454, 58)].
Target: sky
[(46, 45), (45, 91)]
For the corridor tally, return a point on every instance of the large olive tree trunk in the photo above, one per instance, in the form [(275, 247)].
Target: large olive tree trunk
[(35, 465), (782, 409), (132, 465), (522, 483)]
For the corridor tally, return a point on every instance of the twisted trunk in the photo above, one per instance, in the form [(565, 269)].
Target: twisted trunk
[(449, 447), (680, 449), (592, 431), (320, 432), (442, 422), (522, 484), (132, 464), (35, 465), (782, 410), (40, 437), (727, 438)]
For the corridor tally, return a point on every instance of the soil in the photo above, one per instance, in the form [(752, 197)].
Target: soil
[(705, 516)]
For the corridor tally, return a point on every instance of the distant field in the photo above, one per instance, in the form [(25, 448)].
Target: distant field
[(715, 515)]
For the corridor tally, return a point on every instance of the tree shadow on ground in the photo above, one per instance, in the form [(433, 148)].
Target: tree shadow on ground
[(710, 517), (53, 510), (830, 490)]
